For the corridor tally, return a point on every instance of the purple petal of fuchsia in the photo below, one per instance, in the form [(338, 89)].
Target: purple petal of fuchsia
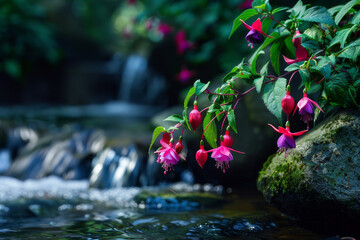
[(309, 108), (281, 142), (253, 36), (290, 141), (224, 158)]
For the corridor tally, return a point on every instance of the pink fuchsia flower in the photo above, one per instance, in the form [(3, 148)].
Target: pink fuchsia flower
[(286, 140), (297, 40), (185, 75), (245, 4), (288, 102), (201, 155), (306, 108), (195, 117), (228, 140), (182, 44), (301, 55), (222, 155), (168, 156), (254, 35), (164, 29)]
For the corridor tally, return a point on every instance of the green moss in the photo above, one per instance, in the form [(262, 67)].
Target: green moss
[(283, 175)]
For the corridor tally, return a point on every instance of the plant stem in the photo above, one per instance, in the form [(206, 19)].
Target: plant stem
[(210, 122)]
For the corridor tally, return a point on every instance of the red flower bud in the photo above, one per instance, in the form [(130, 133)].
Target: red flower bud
[(195, 118), (166, 137), (288, 102), (179, 146), (228, 140), (201, 156), (296, 41)]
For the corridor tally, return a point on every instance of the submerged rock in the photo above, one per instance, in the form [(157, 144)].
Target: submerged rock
[(319, 181)]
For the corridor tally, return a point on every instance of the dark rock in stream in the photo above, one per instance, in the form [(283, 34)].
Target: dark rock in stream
[(66, 154), (319, 181)]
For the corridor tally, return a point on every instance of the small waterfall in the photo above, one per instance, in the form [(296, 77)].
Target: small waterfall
[(140, 84)]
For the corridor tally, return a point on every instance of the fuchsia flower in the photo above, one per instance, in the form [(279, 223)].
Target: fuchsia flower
[(286, 140), (185, 75), (168, 155), (288, 102), (296, 40), (245, 4), (201, 155), (301, 55), (254, 35), (306, 108), (195, 117), (222, 155), (182, 44), (164, 29)]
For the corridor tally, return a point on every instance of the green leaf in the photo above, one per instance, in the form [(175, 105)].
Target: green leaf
[(345, 9), (298, 9), (293, 67), (318, 14), (186, 101), (266, 42), (228, 76), (305, 77), (174, 118), (156, 133), (260, 4), (253, 63), (343, 34), (336, 90), (214, 107), (231, 120), (200, 87), (264, 69), (272, 96), (258, 83), (356, 18), (309, 43), (248, 13), (211, 131), (275, 52), (279, 9), (290, 46)]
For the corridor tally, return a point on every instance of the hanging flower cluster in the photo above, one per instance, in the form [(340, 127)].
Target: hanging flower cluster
[(326, 63)]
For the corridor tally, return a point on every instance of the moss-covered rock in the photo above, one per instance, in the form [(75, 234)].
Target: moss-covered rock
[(319, 181)]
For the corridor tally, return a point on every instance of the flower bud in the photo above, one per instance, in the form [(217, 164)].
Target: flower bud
[(195, 118), (288, 102), (296, 41), (228, 140), (179, 146), (201, 155)]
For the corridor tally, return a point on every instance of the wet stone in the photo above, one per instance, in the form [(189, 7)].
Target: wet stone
[(318, 182)]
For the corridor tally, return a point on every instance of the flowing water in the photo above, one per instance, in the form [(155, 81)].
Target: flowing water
[(52, 208)]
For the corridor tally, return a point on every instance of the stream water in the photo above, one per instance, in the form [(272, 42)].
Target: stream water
[(52, 208)]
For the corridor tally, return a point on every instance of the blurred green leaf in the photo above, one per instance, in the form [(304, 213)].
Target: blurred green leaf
[(211, 131), (174, 118), (248, 13), (200, 87), (345, 9), (231, 120), (156, 133), (318, 14), (272, 96)]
